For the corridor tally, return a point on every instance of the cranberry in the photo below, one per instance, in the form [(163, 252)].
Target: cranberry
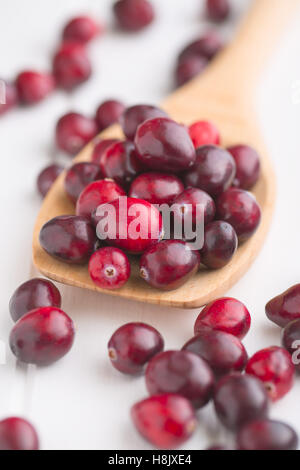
[(220, 244), (120, 162), (213, 172), (265, 434), (169, 264), (274, 367), (100, 148), (132, 346), (18, 434), (68, 238), (223, 351), (247, 163), (34, 86), (74, 131), (218, 10), (71, 65), (189, 68), (33, 294), (240, 209), (239, 399), (291, 341), (133, 15), (164, 145), (183, 373), (187, 204), (208, 46), (285, 307), (166, 421), (81, 29), (217, 447), (10, 97), (97, 193), (204, 133), (79, 176), (109, 113), (47, 177), (157, 188), (109, 268), (136, 115)]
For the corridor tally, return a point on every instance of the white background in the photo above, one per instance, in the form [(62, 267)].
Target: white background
[(82, 402)]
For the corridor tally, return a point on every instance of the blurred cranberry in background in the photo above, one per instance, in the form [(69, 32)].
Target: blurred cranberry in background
[(207, 46), (73, 131), (188, 68), (133, 15), (47, 177), (82, 29), (9, 98), (109, 113), (218, 10), (71, 65), (18, 434), (33, 86)]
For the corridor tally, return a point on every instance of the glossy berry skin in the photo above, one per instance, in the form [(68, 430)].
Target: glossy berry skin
[(109, 113), (120, 162), (68, 238), (31, 295), (33, 86), (97, 193), (79, 176), (81, 29), (223, 351), (213, 171), (136, 115), (291, 341), (164, 145), (247, 163), (166, 421), (157, 188), (285, 307), (218, 10), (11, 97), (71, 65), (239, 399), (186, 206), (42, 336), (132, 346), (266, 434), (183, 373), (240, 209), (220, 244), (169, 264), (47, 177), (204, 133), (206, 46), (133, 15), (74, 131), (274, 367), (99, 149), (189, 68), (109, 268), (18, 434)]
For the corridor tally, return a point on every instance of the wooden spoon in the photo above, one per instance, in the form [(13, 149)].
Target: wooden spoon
[(223, 94)]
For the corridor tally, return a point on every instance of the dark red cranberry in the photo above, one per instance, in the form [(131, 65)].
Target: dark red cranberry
[(68, 238), (33, 294), (291, 341), (109, 268), (132, 346), (157, 188), (81, 29), (97, 193), (240, 209), (213, 172), (274, 367), (223, 352), (71, 65), (188, 204), (79, 176), (183, 373), (100, 148), (217, 447), (220, 244), (189, 68), (133, 15), (74, 131), (18, 434), (166, 421), (109, 113), (204, 133), (47, 177), (136, 115), (120, 162), (10, 97), (164, 145), (247, 163), (285, 307), (266, 434), (218, 10), (208, 46), (225, 314), (239, 399), (34, 86)]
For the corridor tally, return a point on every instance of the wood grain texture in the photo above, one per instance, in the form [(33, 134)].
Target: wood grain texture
[(222, 94)]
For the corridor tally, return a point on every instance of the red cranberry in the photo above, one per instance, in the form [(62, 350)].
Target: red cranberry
[(239, 399), (208, 46), (81, 29), (166, 421), (265, 434), (157, 188), (132, 346), (220, 244), (133, 15), (136, 115), (213, 172), (291, 341), (79, 176), (109, 113), (217, 447), (204, 133), (164, 145), (97, 193), (68, 238), (241, 210), (34, 86), (18, 434), (33, 294), (100, 148), (189, 68), (74, 131), (109, 268), (169, 264), (218, 10), (223, 351), (47, 177), (183, 373), (120, 162), (274, 367), (71, 65), (285, 307), (10, 97), (247, 163), (185, 206)]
